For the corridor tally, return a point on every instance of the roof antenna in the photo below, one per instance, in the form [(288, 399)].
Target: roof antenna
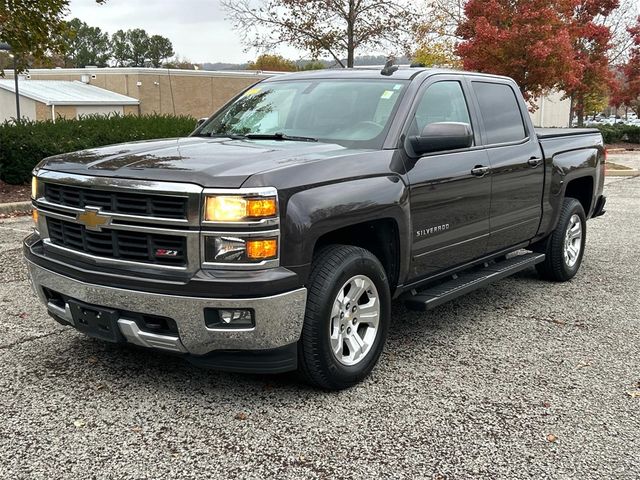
[(389, 67)]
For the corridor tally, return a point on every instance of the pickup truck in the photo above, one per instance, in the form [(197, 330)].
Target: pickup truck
[(276, 235)]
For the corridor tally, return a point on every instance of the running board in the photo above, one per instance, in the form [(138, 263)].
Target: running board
[(470, 280)]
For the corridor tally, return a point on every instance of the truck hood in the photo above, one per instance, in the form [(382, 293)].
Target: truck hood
[(210, 162)]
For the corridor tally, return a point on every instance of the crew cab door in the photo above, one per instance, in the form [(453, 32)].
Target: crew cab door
[(449, 194), (517, 167)]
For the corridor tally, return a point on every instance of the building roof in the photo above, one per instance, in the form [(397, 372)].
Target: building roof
[(60, 92), (171, 72)]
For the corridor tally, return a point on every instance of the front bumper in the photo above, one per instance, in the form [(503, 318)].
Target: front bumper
[(278, 318)]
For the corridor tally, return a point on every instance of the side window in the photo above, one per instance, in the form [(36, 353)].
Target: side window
[(441, 102), (500, 112)]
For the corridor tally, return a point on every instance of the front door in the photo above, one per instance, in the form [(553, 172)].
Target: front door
[(449, 204)]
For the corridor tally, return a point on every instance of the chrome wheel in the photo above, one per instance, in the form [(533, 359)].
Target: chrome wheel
[(573, 241), (354, 320)]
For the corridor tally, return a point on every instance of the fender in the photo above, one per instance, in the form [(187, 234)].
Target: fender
[(315, 212), (561, 168)]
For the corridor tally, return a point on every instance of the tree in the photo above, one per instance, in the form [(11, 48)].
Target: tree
[(138, 47), (121, 50), (436, 34), (336, 28), (160, 49), (85, 45), (33, 29), (591, 43), (274, 63), (528, 40), (629, 91)]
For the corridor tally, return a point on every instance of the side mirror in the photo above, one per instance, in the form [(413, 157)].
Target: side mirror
[(201, 121), (440, 136)]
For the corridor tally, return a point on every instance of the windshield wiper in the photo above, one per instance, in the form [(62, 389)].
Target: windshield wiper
[(232, 136), (279, 136)]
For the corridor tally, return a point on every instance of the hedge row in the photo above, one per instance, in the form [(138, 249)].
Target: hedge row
[(620, 133), (23, 146)]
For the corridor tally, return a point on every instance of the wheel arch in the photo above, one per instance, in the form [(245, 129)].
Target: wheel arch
[(372, 213)]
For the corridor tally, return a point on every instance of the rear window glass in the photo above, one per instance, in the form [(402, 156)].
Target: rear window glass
[(500, 112)]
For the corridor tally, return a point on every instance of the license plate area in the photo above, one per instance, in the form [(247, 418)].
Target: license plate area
[(96, 322)]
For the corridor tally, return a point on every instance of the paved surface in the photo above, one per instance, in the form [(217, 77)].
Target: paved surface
[(524, 379), (630, 159)]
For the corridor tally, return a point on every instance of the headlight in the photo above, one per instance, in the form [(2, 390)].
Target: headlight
[(235, 208), (34, 187)]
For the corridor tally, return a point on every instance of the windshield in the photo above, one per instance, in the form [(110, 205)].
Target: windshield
[(353, 113)]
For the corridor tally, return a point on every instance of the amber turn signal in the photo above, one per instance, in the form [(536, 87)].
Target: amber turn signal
[(261, 207), (263, 249), (34, 215)]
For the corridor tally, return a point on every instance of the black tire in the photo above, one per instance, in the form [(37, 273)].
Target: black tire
[(555, 267), (332, 267)]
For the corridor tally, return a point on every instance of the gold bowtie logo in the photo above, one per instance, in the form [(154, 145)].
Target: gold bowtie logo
[(92, 219)]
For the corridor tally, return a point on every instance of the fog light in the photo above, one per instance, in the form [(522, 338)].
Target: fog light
[(229, 318)]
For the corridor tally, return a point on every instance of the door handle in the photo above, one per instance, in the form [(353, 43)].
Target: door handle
[(479, 170), (534, 161)]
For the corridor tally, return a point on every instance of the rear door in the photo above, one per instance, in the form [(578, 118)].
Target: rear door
[(449, 204), (517, 169)]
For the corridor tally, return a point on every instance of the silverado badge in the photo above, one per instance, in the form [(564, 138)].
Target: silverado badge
[(92, 219)]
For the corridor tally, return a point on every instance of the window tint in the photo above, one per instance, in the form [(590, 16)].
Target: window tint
[(500, 112), (441, 102)]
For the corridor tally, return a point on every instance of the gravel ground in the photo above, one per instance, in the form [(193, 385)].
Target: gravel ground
[(523, 379)]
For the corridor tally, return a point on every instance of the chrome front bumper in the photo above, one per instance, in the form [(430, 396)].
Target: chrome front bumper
[(278, 318)]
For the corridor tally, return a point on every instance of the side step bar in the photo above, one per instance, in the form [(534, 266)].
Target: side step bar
[(470, 280)]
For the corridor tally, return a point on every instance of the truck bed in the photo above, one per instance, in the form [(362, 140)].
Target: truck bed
[(563, 132)]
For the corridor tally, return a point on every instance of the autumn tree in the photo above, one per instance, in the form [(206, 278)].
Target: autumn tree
[(629, 91), (529, 41), (335, 28), (591, 45), (436, 35), (34, 29), (85, 45), (274, 63)]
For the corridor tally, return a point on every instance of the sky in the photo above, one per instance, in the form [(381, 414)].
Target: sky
[(197, 28)]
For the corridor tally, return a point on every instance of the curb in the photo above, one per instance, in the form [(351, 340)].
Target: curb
[(15, 207), (622, 173)]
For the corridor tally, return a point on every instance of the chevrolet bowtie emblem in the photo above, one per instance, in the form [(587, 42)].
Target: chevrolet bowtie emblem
[(92, 219)]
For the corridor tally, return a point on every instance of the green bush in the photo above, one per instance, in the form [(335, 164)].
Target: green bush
[(23, 146), (620, 133)]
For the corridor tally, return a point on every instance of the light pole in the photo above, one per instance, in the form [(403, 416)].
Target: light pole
[(7, 48)]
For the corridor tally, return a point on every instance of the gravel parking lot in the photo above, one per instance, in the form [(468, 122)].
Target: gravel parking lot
[(521, 379)]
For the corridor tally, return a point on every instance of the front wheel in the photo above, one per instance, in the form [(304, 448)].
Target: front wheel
[(565, 246), (346, 319)]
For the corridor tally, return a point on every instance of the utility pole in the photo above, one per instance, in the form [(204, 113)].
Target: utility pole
[(7, 48)]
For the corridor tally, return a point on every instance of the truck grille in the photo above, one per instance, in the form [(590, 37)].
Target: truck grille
[(119, 244), (117, 202)]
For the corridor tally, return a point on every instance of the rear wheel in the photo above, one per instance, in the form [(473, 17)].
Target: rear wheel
[(565, 247), (346, 319)]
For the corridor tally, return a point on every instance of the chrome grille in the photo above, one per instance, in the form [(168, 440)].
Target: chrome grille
[(119, 244), (128, 203)]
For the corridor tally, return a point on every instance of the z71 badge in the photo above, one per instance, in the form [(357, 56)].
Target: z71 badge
[(431, 230)]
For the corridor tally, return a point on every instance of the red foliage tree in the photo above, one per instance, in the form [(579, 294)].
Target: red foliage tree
[(591, 46), (542, 44), (529, 41), (629, 91)]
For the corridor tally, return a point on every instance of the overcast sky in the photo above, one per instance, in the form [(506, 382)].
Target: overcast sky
[(197, 28)]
